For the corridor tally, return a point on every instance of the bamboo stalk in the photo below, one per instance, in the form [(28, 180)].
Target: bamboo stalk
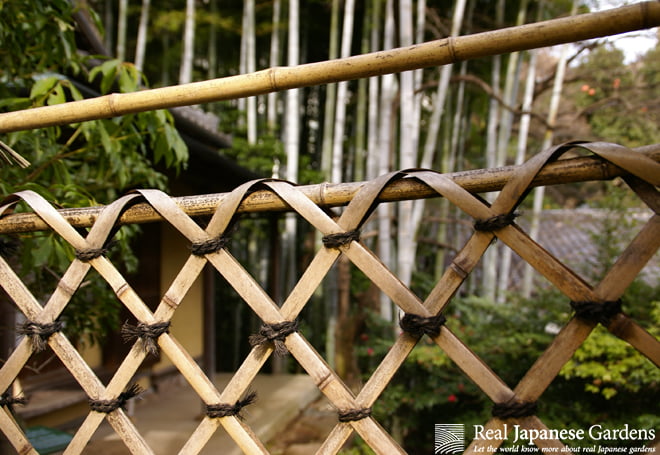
[(433, 53), (333, 195)]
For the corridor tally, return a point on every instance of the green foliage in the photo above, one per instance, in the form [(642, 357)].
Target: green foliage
[(430, 388), (609, 365), (615, 97), (35, 36), (82, 164)]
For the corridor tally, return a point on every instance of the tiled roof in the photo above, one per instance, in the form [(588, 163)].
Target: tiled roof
[(573, 237)]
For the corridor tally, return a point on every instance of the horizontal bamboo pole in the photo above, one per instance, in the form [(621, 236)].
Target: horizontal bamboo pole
[(334, 195), (433, 53)]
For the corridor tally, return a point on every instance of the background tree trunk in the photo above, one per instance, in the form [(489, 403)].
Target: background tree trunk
[(490, 256), (434, 123), (122, 18), (330, 97), (250, 67), (143, 27), (388, 90), (407, 149), (187, 56), (274, 60), (342, 91), (539, 192)]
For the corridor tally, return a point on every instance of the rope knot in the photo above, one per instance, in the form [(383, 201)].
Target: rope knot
[(39, 333), (351, 415), (108, 406), (495, 222), (9, 401), (341, 238), (88, 254), (514, 409), (147, 333), (209, 246), (276, 334), (597, 311), (227, 410), (417, 325)]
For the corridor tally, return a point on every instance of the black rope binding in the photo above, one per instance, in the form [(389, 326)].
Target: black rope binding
[(107, 406), (6, 399), (351, 415), (147, 333), (39, 333), (417, 325), (495, 222), (340, 238), (514, 409), (276, 334), (88, 254), (227, 410), (209, 246), (602, 312)]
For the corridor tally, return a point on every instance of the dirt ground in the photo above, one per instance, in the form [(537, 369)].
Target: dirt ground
[(307, 432)]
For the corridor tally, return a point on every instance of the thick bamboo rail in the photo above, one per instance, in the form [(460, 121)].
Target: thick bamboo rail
[(333, 195), (434, 53)]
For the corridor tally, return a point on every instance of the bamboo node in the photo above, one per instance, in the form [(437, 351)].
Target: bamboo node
[(451, 46), (215, 411)]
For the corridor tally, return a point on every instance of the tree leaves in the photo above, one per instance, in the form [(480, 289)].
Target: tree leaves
[(80, 164)]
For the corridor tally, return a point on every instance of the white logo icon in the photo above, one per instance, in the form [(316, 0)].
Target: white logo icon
[(449, 438)]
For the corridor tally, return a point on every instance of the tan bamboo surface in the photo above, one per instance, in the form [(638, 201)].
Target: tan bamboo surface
[(564, 171), (434, 53), (641, 171)]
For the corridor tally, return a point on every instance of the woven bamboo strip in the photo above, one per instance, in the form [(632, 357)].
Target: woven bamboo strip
[(631, 261), (546, 264), (547, 366), (11, 367), (627, 329), (434, 53), (331, 195), (377, 438), (406, 300), (308, 358), (209, 394), (117, 384), (15, 435)]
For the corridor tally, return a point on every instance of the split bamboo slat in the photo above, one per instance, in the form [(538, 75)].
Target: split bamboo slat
[(640, 169), (434, 53)]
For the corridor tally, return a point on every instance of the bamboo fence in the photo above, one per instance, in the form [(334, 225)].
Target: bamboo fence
[(434, 53)]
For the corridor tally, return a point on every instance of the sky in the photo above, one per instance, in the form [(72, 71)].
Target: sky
[(633, 44)]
